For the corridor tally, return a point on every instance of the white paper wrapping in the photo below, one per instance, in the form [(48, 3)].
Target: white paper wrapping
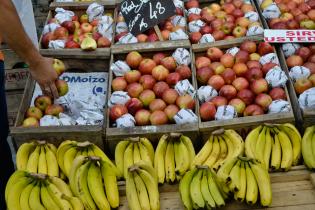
[(206, 93), (194, 10), (276, 77), (65, 120), (299, 72), (279, 106), (51, 27), (121, 27), (126, 121), (307, 99), (254, 30), (119, 68), (128, 39), (182, 56), (118, 97), (269, 58), (49, 120), (185, 116), (233, 50), (252, 16), (225, 112), (206, 38), (63, 15), (105, 29), (178, 35), (179, 4), (272, 11), (290, 48), (184, 87), (179, 21), (56, 44), (194, 26), (95, 11)]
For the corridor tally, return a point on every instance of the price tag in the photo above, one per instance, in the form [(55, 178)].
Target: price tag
[(283, 36), (140, 15)]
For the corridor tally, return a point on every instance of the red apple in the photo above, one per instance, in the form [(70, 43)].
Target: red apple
[(142, 117), (238, 105), (214, 54), (142, 38), (254, 74), (228, 8), (219, 101), (266, 67), (170, 111), (310, 66), (153, 38), (47, 38), (170, 96), (184, 71), (134, 105), (253, 110), (263, 100), (173, 78), (294, 60), (61, 33), (227, 60), (253, 64), (159, 88), (218, 35), (134, 59), (202, 62), (119, 83), (185, 102), (69, 25), (158, 117), (103, 42), (158, 57), (249, 46), (216, 81), (147, 82), (134, 89), (217, 67), (246, 95), (241, 56), (169, 63), (206, 30), (72, 44), (207, 111), (160, 72), (157, 104), (146, 97), (146, 66), (228, 91), (259, 86), (34, 112), (132, 76), (228, 76), (304, 53), (277, 94), (264, 48), (204, 74), (240, 69), (195, 37), (54, 109), (301, 85), (240, 83)]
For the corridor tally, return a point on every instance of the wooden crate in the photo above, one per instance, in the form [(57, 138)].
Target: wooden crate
[(56, 134), (293, 190), (15, 79), (204, 3), (11, 59), (114, 135), (99, 53), (82, 4), (13, 99), (239, 123)]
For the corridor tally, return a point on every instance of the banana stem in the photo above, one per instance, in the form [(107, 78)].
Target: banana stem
[(218, 132), (84, 144), (134, 139)]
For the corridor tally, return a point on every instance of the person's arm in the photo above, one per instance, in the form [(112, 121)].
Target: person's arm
[(14, 35)]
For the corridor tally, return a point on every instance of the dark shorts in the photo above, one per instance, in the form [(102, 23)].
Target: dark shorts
[(6, 163)]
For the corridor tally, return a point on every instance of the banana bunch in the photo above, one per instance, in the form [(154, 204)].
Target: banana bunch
[(199, 189), (173, 157), (142, 187), (69, 150), (94, 181), (276, 146), (131, 151), (245, 177), (38, 157), (308, 147), (221, 146), (30, 191)]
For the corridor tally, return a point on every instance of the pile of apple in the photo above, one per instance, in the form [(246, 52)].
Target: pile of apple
[(303, 56), (77, 33), (44, 105), (294, 14), (223, 21), (239, 80), (153, 100)]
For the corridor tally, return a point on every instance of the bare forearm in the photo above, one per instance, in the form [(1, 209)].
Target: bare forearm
[(14, 35)]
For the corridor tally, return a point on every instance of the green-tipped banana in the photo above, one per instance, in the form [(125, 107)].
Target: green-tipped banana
[(56, 196), (287, 151), (13, 200), (61, 185), (69, 156), (215, 190), (267, 149), (74, 201), (241, 194), (52, 167), (190, 147), (182, 161), (145, 154), (260, 145), (14, 178), (136, 153), (25, 195), (237, 140), (63, 147), (225, 169), (42, 163), (235, 177)]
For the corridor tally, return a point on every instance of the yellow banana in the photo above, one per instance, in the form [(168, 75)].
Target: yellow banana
[(69, 156), (63, 147), (276, 154), (98, 152), (47, 200), (61, 185), (144, 153), (215, 153), (142, 192), (119, 156), (205, 191), (215, 190), (223, 152), (85, 151), (195, 190), (251, 185), (260, 146), (77, 163), (56, 196), (287, 151), (52, 167), (34, 199), (14, 178), (170, 162), (159, 158), (308, 154), (184, 188), (32, 163), (131, 192), (250, 142), (136, 153), (146, 142), (234, 177), (52, 147), (230, 147), (23, 154), (13, 200), (25, 195), (181, 158), (42, 164), (74, 201), (145, 166), (110, 182), (90, 151), (241, 194), (237, 140), (96, 189), (128, 158), (225, 169), (267, 149), (204, 153), (190, 147)]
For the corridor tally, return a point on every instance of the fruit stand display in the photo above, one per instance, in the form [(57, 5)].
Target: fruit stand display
[(80, 4)]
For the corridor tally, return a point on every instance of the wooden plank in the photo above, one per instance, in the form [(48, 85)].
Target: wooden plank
[(16, 78), (14, 99), (10, 58), (80, 5)]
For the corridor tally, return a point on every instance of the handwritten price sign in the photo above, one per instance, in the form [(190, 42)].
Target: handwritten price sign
[(140, 15)]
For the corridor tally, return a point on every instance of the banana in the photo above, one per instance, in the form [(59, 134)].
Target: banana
[(42, 164), (235, 177), (159, 163), (98, 152), (52, 167), (32, 162), (25, 195), (295, 139), (287, 151), (215, 190), (251, 185), (34, 199), (131, 192), (276, 154), (145, 166), (69, 156), (128, 158), (14, 178), (205, 191), (136, 153), (90, 151), (145, 154), (47, 200), (77, 163), (63, 147), (96, 189), (119, 156), (56, 196), (264, 184), (260, 146), (308, 154), (190, 147), (184, 188), (204, 153), (182, 162), (13, 200), (250, 142), (146, 142), (313, 146), (85, 152), (230, 147), (267, 149), (170, 162), (223, 152), (61, 185), (225, 169), (237, 141), (110, 182), (142, 192), (195, 190), (215, 153), (52, 147), (74, 201), (241, 194), (22, 155)]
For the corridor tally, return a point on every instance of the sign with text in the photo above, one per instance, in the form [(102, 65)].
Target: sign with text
[(140, 15), (283, 36)]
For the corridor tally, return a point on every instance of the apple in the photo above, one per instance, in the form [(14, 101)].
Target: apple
[(169, 63), (292, 24), (192, 4), (263, 100), (103, 42), (158, 57), (34, 112), (204, 74), (153, 38), (170, 96), (146, 66), (62, 87), (158, 117), (241, 56), (94, 22), (47, 38), (142, 117), (294, 60), (277, 93), (304, 53), (84, 18), (159, 88), (214, 54), (227, 60), (228, 76), (118, 36), (264, 48), (216, 24), (228, 91), (243, 22), (240, 69), (310, 66), (219, 101), (72, 44), (301, 85), (88, 44), (217, 67), (132, 76), (206, 30), (157, 104), (240, 83), (237, 13), (215, 7), (142, 38), (311, 58), (312, 79), (238, 105), (202, 62), (119, 84), (218, 35), (259, 86), (253, 64), (30, 122), (146, 97), (247, 8), (254, 57), (160, 73), (246, 95), (184, 71), (54, 109), (228, 8), (173, 78), (69, 25), (42, 102), (267, 66), (207, 111), (216, 81), (147, 82), (239, 31), (134, 89), (61, 33), (311, 14), (134, 59), (253, 110), (59, 66), (170, 111), (133, 105), (195, 37), (185, 102), (117, 111), (253, 74)]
